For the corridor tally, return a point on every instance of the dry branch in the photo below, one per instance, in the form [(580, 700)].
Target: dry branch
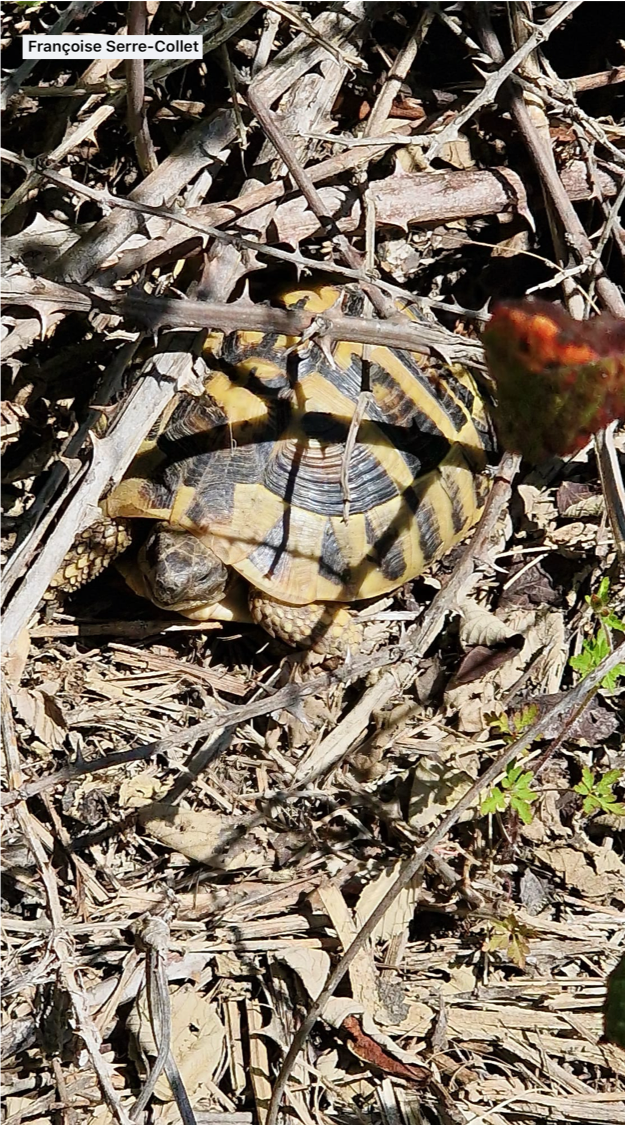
[(495, 81), (155, 313), (135, 93), (111, 457)]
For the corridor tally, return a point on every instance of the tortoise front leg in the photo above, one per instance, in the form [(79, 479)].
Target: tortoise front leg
[(90, 553), (328, 629)]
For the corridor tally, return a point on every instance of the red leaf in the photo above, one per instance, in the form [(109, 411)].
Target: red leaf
[(558, 380), (371, 1052)]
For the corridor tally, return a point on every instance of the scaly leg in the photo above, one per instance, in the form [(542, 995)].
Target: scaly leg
[(90, 553), (328, 629)]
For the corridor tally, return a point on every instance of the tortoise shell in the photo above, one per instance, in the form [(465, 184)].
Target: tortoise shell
[(256, 466)]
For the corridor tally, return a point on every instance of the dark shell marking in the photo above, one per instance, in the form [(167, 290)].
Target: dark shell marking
[(254, 466)]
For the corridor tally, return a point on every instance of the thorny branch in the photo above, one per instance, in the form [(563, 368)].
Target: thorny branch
[(135, 93), (155, 313)]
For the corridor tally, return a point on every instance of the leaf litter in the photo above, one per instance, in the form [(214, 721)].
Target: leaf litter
[(264, 845)]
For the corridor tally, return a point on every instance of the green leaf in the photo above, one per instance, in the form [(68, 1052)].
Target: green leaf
[(523, 809), (525, 717), (614, 622), (494, 802), (586, 785), (590, 804), (519, 782), (607, 781), (598, 794), (514, 790), (609, 683), (593, 652)]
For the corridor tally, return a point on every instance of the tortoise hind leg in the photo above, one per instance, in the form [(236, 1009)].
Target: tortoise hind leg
[(328, 629)]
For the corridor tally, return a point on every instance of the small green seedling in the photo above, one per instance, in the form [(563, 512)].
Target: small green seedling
[(514, 790), (510, 937), (598, 793), (512, 726), (599, 646)]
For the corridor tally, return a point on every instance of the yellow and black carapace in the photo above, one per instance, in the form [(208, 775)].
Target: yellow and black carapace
[(253, 478)]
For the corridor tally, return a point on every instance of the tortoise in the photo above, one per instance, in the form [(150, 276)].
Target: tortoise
[(251, 479)]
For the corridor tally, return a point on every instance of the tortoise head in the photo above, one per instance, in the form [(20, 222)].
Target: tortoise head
[(180, 572)]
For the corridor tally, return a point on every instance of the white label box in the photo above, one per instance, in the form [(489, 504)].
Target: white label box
[(91, 47)]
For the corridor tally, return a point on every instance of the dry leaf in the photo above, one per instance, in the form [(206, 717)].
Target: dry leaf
[(362, 972), (578, 537), (436, 787), (535, 893), (42, 714), (41, 242), (12, 416), (509, 247), (16, 657), (578, 501), (206, 837), (197, 1040), (462, 981), (417, 1021), (533, 587), (370, 1051), (458, 153), (545, 648), (338, 1008), (401, 912), (45, 297), (481, 660), (605, 878), (480, 627), (311, 965), (134, 792), (540, 509)]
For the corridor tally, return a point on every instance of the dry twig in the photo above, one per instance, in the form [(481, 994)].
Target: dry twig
[(135, 93)]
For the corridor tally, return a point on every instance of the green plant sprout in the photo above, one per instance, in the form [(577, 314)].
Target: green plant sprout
[(511, 937), (598, 793), (599, 646), (512, 726), (514, 790)]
